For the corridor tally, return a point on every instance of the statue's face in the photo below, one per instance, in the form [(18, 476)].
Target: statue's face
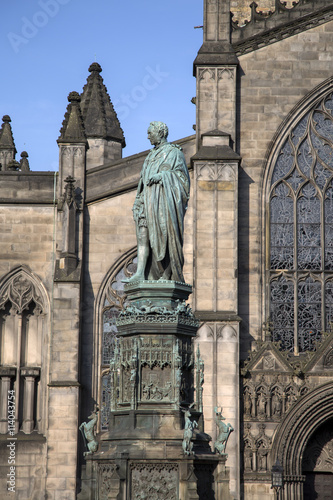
[(153, 136)]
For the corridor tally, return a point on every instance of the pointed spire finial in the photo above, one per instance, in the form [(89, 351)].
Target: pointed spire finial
[(6, 135), (24, 162), (95, 67), (99, 116), (72, 129)]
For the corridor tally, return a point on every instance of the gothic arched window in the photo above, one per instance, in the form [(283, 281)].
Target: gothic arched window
[(301, 231), (22, 359), (113, 301)]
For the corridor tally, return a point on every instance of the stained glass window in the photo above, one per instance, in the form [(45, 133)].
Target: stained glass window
[(301, 232)]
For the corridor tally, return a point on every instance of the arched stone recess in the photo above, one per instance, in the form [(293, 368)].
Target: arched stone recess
[(109, 302), (297, 250), (227, 333), (294, 432), (24, 337)]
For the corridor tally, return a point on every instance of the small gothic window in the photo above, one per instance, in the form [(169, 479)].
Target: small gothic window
[(301, 231), (114, 300), (22, 323)]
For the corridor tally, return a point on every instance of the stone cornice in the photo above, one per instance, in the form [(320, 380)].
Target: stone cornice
[(283, 31)]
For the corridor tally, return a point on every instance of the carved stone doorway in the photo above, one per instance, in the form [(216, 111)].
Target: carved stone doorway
[(318, 464)]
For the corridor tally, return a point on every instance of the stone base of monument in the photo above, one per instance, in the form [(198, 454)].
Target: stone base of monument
[(191, 478), (155, 447)]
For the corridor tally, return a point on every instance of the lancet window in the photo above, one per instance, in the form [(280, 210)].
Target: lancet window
[(301, 231), (22, 324)]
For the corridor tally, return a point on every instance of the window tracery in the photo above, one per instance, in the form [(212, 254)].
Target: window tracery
[(301, 231)]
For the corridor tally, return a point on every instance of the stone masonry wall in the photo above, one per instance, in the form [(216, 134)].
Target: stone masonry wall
[(30, 469), (26, 239)]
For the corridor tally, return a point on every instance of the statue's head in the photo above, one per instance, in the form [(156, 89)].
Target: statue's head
[(160, 129)]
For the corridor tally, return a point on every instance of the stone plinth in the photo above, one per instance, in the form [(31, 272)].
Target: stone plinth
[(156, 395)]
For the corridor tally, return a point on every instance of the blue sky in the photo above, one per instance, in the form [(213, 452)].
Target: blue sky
[(146, 49)]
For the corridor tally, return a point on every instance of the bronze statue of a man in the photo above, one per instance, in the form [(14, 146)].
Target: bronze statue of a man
[(159, 209)]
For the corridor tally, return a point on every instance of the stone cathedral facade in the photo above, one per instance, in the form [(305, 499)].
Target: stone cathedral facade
[(258, 253)]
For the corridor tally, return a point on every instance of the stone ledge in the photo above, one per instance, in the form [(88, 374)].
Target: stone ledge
[(218, 316), (64, 383)]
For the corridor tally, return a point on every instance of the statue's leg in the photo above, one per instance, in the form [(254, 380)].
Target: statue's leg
[(143, 253)]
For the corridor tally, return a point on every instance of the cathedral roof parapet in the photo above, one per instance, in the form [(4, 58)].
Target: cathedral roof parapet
[(265, 28)]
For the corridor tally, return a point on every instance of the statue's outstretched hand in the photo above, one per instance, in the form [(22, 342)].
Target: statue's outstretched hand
[(155, 179)]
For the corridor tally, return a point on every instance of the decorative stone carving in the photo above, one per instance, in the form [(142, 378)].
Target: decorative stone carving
[(290, 397), (247, 402), (105, 473), (208, 73), (226, 73), (215, 172), (20, 291), (261, 404), (224, 432), (262, 457), (328, 360), (89, 434), (268, 362), (154, 481), (284, 22), (276, 402), (256, 449), (248, 458)]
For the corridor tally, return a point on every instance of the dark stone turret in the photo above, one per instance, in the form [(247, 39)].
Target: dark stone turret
[(72, 130), (101, 124)]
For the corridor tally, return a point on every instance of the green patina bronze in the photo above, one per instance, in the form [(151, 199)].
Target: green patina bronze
[(224, 432), (159, 209)]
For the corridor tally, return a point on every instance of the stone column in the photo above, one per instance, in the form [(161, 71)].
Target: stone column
[(29, 375), (215, 300), (64, 384), (6, 374)]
